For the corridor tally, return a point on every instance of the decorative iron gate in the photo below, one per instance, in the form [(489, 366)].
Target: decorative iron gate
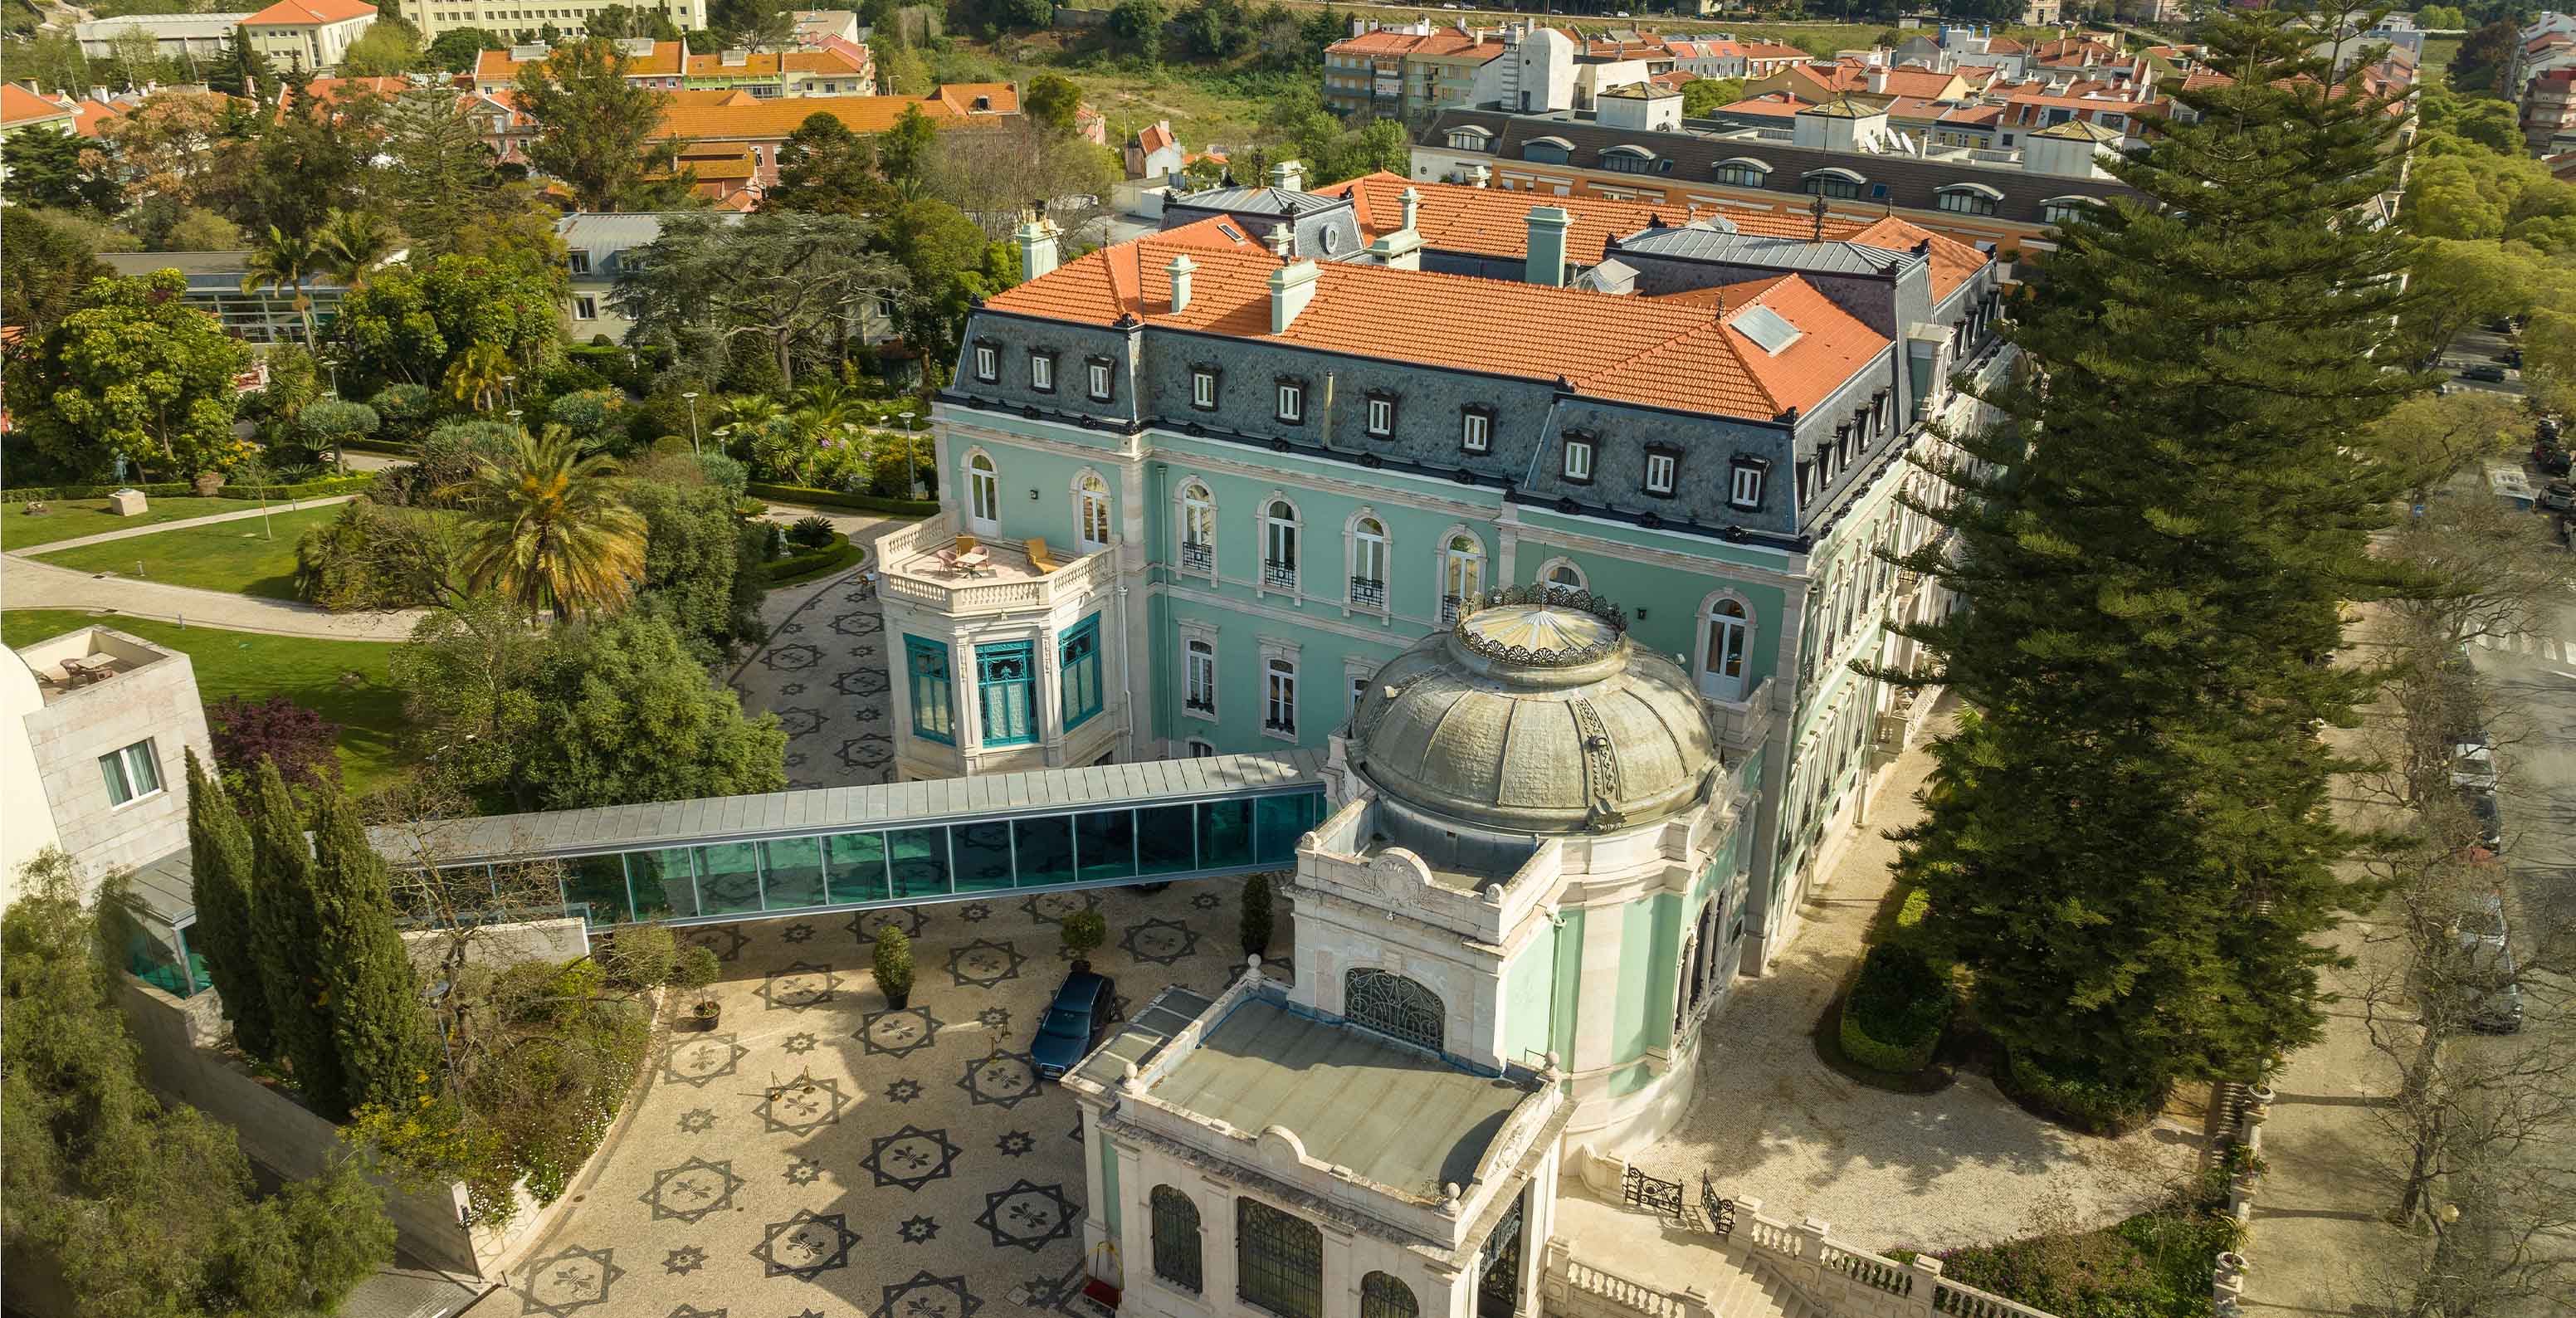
[(1393, 1004), (1719, 1212), (1653, 1194), (1498, 1268)]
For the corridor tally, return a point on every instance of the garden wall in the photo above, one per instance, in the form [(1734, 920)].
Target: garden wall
[(559, 939)]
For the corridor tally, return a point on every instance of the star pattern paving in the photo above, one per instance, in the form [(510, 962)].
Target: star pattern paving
[(1027, 1216), (984, 963), (928, 1296), (691, 1190), (911, 1157), (1160, 942), (805, 1246), (1003, 1080), (918, 1230), (799, 986), (698, 1059), (562, 1284), (800, 1106), (897, 1031)]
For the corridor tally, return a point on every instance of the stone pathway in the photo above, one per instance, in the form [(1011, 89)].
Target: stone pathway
[(247, 512), (1962, 1166), (823, 670), (33, 585)]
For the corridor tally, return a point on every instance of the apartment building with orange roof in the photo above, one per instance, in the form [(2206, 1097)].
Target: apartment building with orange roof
[(1284, 438), (830, 66), (310, 35), (515, 21)]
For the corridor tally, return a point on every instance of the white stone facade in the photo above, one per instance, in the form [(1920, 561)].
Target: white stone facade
[(146, 698)]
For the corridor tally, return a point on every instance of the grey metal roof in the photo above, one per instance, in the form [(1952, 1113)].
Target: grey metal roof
[(849, 809), (1143, 1034), (1259, 201), (1400, 1117), (1695, 243), (599, 233), (166, 888)]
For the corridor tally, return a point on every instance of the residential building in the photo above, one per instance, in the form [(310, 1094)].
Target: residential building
[(595, 247), (1412, 69), (1844, 155), (830, 66), (264, 316), (97, 723), (813, 26), (307, 34), (173, 36), (25, 111), (2042, 13), (1726, 57), (742, 120), (2549, 111), (1823, 81), (513, 20), (1153, 152)]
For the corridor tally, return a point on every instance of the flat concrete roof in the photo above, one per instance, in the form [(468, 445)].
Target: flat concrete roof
[(1399, 1117), (1144, 1034)]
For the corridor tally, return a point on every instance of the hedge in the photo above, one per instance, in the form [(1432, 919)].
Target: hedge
[(1893, 1018), (389, 447), (836, 499), (2084, 1102), (796, 568), (312, 489)]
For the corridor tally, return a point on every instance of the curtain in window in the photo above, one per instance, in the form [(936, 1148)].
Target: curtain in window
[(1006, 684)]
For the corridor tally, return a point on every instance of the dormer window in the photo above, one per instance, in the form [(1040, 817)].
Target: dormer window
[(1578, 459), (1292, 402), (988, 362), (1744, 482), (1547, 150), (1663, 471), (1471, 139), (1742, 172), (580, 260), (1381, 415), (1475, 430), (1836, 184), (2058, 210), (1203, 388), (1042, 370), (1634, 160), (1806, 482), (1969, 199), (1100, 378)]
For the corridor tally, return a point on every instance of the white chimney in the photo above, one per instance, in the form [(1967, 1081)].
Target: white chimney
[(1412, 206), (1036, 235), (1180, 270), (1281, 238), (1292, 286), (1878, 80), (1289, 175), (1480, 175)]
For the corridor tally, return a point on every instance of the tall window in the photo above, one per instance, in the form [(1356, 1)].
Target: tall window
[(1279, 546), (1203, 388), (1198, 529), (1359, 692), (1078, 667), (1042, 372), (1722, 662), (1279, 713), (1564, 574), (1176, 1238), (987, 363), (1476, 430), (132, 773), (983, 490), (1006, 682), (1395, 1005), (1663, 468), (1462, 575), (1091, 513), (1202, 677), (1382, 1296), (926, 665), (1578, 460), (1292, 402), (1099, 380), (1368, 564), (1745, 490), (1381, 415), (1278, 1260)]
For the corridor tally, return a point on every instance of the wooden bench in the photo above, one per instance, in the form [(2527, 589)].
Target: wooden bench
[(1039, 558)]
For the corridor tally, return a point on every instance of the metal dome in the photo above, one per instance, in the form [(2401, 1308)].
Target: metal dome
[(1535, 714)]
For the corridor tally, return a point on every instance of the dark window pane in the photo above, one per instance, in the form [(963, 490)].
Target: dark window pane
[(599, 881), (1046, 850), (1283, 820), (920, 859), (1105, 842), (1278, 1260), (1225, 833), (660, 881), (1163, 840), (858, 867), (794, 873), (728, 878), (983, 856)]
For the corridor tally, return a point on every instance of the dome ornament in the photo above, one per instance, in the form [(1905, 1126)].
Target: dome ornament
[(1547, 626)]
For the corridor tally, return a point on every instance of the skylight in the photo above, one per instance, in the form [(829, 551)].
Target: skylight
[(1766, 328), (1228, 231)]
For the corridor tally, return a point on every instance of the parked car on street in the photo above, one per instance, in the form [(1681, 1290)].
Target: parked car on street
[(2489, 815), (2473, 765), (2551, 459), (2490, 373), (2487, 971), (2558, 495), (1073, 1023)]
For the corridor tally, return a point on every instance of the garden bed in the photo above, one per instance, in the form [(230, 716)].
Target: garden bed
[(798, 568), (2158, 1264), (836, 499)]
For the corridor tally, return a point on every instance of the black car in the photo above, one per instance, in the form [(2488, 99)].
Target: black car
[(2489, 816), (2489, 373), (2551, 459), (1073, 1023), (2510, 357)]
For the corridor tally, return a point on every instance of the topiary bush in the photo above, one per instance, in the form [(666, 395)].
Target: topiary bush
[(1257, 915), (811, 531), (405, 411), (1084, 931), (1893, 1018), (640, 956), (2072, 1093), (894, 964), (694, 968)]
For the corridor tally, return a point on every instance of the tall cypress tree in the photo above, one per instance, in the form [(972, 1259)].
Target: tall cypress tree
[(219, 861), (378, 1027), (2127, 840), (288, 923)]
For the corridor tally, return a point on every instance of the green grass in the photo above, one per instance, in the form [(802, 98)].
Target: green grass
[(242, 558), (2438, 54), (312, 673), (71, 518)]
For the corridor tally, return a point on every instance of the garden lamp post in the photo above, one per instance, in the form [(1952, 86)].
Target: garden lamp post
[(692, 396), (911, 459), (514, 414)]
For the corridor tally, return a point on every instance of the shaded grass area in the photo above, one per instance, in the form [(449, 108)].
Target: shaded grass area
[(69, 519), (347, 681), (253, 556), (2158, 1264)]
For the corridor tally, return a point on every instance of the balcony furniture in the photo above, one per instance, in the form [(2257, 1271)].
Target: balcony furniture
[(1039, 558)]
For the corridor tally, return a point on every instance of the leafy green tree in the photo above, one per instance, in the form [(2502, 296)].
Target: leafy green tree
[(384, 50), (457, 48), (220, 878), (786, 282), (549, 530), (1254, 921), (242, 70), (288, 926), (470, 674), (409, 324), (145, 1210), (2484, 55), (1216, 29), (312, 157), (594, 125), (825, 168), (950, 262), (904, 151), (1032, 15), (1701, 95), (627, 21), (2129, 842), (2440, 17), (1050, 101), (1137, 26), (130, 373), (693, 561), (43, 268), (2482, 120), (350, 245), (378, 1028), (49, 169), (285, 263)]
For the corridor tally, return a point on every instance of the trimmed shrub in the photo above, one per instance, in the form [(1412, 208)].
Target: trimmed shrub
[(1893, 1018), (590, 414), (836, 499), (894, 962), (324, 422), (1084, 931), (794, 568), (303, 744), (693, 968), (639, 956), (2067, 1093), (812, 531), (405, 411), (373, 557), (313, 489), (1257, 915)]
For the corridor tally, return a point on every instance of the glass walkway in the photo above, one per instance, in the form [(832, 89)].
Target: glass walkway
[(849, 848)]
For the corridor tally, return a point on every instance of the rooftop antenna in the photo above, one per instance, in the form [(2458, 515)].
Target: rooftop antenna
[(1817, 209)]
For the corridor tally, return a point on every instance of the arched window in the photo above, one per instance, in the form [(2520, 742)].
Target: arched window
[(1382, 1296), (1198, 529), (1368, 563), (1393, 1004), (1176, 1238), (1721, 670), (983, 494), (1091, 513), (1278, 1260), (1279, 545), (1561, 573), (1462, 574)]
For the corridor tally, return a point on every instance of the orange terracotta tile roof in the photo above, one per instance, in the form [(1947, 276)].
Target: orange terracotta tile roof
[(1953, 262), (1492, 222), (21, 106), (1770, 105), (764, 64), (1767, 50), (1443, 41), (734, 113), (93, 115), (1641, 350), (332, 91), (296, 13)]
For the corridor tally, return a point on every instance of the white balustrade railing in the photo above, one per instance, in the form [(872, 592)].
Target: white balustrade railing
[(1607, 1290), (907, 578)]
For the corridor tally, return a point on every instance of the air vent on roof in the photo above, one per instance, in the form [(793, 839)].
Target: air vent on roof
[(522, 54), (1765, 327), (734, 59)]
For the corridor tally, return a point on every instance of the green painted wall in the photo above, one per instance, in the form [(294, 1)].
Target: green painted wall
[(1649, 951), (1020, 470), (1569, 982), (1529, 979), (1109, 1185), (1670, 598)]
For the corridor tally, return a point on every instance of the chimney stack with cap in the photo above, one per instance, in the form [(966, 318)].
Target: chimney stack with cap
[(1289, 175), (1180, 270), (1282, 238)]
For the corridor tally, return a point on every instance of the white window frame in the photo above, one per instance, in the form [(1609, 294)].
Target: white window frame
[(1381, 417), (983, 493), (1462, 571), (126, 759), (1670, 465), (988, 363), (1097, 375), (1744, 485), (1712, 680), (1292, 404), (1475, 432), (1198, 515), (1203, 389), (585, 307), (1578, 460), (1278, 533), (1042, 372), (1366, 549), (1199, 677), (1092, 505), (1548, 570), (1279, 697)]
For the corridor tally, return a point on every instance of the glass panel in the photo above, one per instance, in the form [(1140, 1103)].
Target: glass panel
[(113, 768), (600, 881), (660, 881), (728, 878), (794, 873), (1006, 684), (1164, 842), (1046, 850), (858, 867), (983, 855), (920, 861), (1279, 1260), (1105, 840), (146, 769), (1283, 820), (1225, 833)]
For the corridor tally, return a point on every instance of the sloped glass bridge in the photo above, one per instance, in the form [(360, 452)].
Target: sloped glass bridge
[(852, 848)]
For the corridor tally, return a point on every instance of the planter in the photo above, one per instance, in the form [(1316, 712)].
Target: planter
[(898, 999), (705, 1018)]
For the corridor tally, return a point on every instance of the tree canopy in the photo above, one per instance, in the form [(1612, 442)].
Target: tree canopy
[(791, 282), (594, 125), (130, 374)]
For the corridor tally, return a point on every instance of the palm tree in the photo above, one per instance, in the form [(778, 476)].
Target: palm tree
[(548, 530), (744, 418), (477, 374), (281, 263), (352, 244)]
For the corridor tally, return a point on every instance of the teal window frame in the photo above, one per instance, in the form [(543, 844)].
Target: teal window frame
[(1006, 682), (1078, 672), (925, 666)]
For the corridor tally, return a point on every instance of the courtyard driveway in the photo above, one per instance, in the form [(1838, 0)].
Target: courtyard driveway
[(820, 1155), (823, 669)]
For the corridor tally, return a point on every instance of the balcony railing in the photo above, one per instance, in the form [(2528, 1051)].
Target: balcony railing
[(1274, 725), (1204, 705), (1367, 594), (1279, 576), (1448, 610), (1197, 558), (1008, 582)]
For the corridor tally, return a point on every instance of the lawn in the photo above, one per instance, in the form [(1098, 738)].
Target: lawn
[(345, 680), (2438, 54), (71, 518), (242, 558)]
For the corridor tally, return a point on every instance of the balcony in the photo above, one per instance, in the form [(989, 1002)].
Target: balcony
[(1367, 594), (1006, 583), (1278, 576), (1741, 724), (1197, 558), (1449, 605)]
